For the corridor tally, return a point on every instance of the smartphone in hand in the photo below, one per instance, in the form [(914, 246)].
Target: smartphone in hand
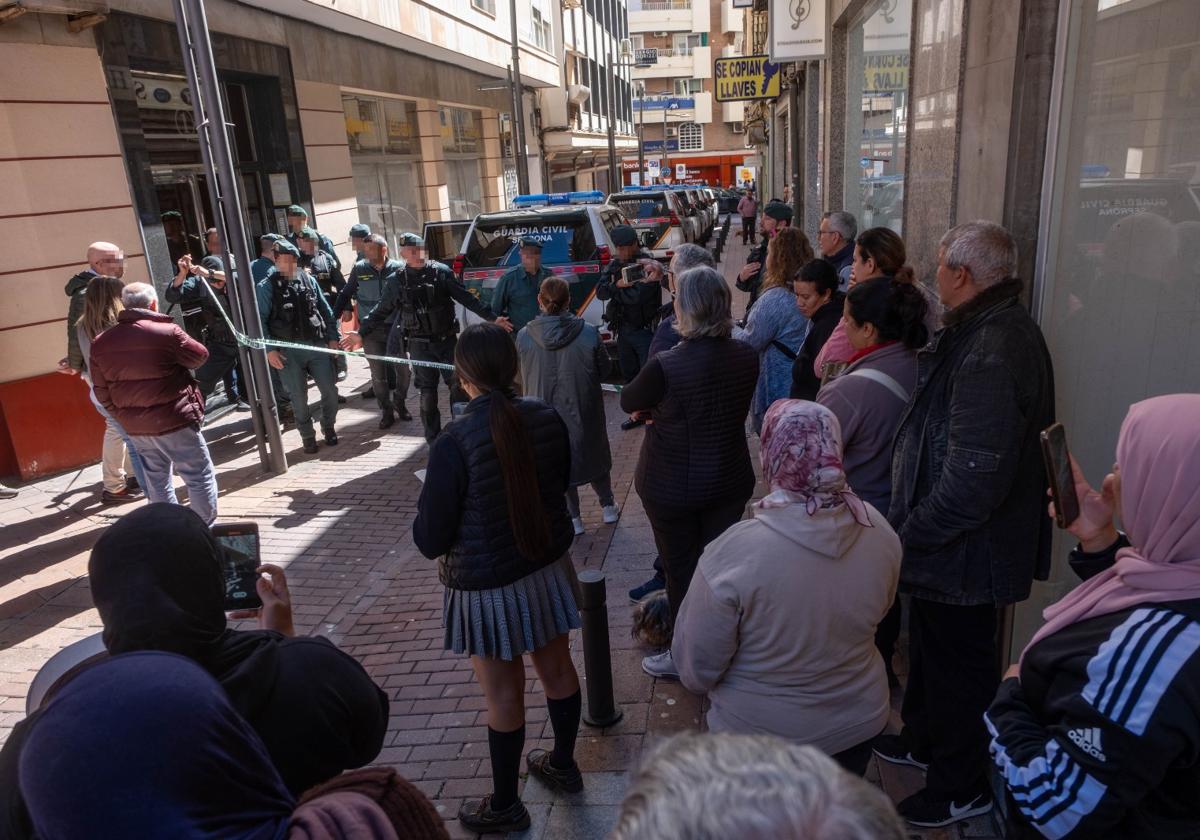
[(1062, 479), (633, 273), (240, 558)]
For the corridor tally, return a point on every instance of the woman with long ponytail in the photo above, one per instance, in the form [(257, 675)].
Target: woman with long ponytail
[(493, 511)]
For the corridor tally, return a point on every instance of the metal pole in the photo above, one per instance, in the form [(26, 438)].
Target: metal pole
[(518, 106), (215, 148), (512, 127), (615, 179), (641, 134), (602, 710), (666, 160), (794, 118)]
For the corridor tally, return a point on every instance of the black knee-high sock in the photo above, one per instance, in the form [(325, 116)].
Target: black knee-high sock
[(505, 749), (564, 719)]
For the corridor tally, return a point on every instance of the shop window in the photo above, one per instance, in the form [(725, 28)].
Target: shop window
[(385, 161), (462, 145), (877, 114), (1118, 283)]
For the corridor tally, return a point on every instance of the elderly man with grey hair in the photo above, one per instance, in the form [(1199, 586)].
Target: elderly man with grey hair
[(835, 241), (969, 505), (698, 785), (142, 374), (694, 474)]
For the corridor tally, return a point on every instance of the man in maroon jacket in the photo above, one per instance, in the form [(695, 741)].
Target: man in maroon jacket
[(141, 373)]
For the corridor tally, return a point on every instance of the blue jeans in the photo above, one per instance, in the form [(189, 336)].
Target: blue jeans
[(135, 460), (186, 452), (298, 366), (633, 347)]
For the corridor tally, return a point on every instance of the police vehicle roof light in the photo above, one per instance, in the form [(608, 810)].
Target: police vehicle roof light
[(550, 199)]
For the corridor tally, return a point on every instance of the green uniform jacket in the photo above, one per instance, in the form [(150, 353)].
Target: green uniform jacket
[(516, 294)]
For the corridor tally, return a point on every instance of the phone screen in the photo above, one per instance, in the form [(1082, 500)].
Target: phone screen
[(240, 559), (1058, 470), (633, 273)]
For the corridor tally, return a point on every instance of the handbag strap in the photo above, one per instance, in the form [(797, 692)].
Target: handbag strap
[(883, 379)]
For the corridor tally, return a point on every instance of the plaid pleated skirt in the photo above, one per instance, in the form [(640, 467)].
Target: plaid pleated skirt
[(508, 621)]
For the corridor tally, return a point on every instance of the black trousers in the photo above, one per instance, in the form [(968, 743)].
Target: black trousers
[(426, 379), (748, 232), (952, 680), (681, 535), (888, 633), (222, 359)]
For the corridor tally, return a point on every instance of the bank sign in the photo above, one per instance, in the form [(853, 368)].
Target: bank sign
[(742, 78)]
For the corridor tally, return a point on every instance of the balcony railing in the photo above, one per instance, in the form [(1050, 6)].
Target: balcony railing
[(659, 5)]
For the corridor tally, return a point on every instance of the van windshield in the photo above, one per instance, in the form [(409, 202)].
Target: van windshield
[(565, 238), (641, 207)]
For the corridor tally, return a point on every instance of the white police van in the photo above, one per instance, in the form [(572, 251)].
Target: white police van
[(575, 231), (659, 217)]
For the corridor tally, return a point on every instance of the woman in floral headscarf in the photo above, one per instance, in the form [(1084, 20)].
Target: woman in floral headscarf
[(778, 626)]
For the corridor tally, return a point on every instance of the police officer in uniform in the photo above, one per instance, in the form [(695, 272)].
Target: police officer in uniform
[(294, 310), (188, 290), (358, 239), (776, 216), (297, 219), (516, 292), (320, 264), (424, 294), (368, 279), (632, 310)]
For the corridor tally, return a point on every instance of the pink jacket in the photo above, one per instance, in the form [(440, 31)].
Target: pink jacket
[(747, 207)]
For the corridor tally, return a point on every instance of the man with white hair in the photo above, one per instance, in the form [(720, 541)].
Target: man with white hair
[(835, 241), (142, 374), (720, 785), (969, 505)]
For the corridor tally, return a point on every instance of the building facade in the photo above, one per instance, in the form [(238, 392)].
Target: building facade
[(684, 129), (392, 114), (1074, 123)]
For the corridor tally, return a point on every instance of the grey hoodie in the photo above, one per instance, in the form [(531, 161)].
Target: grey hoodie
[(562, 363), (778, 626)]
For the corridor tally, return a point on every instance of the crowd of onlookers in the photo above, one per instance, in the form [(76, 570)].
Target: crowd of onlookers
[(898, 428)]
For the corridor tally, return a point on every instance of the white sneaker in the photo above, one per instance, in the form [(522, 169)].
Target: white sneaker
[(578, 523), (661, 665), (611, 513)]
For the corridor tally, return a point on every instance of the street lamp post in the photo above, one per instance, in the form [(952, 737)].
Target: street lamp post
[(641, 132), (518, 107)]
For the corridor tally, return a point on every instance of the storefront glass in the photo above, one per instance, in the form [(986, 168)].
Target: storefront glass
[(1119, 277), (384, 156), (462, 144), (877, 113)]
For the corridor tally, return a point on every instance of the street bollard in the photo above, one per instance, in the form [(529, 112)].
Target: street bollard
[(597, 662)]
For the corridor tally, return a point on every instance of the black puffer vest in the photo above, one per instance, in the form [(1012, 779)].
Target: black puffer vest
[(485, 554), (695, 455)]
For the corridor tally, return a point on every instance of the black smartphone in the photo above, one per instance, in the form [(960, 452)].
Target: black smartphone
[(1058, 470), (633, 273), (240, 559)]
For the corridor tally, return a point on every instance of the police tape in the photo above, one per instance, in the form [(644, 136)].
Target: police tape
[(269, 344)]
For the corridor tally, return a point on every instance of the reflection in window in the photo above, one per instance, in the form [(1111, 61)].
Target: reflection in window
[(876, 112), (462, 142), (1120, 290), (385, 161)]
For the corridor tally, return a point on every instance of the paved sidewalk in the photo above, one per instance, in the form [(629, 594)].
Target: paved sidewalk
[(340, 523)]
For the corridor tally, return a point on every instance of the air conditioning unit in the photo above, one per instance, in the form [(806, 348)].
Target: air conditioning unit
[(672, 132), (739, 127), (578, 94)]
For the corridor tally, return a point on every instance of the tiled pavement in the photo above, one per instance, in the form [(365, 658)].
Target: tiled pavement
[(339, 523)]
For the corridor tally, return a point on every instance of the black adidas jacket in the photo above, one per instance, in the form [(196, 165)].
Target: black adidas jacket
[(1100, 737)]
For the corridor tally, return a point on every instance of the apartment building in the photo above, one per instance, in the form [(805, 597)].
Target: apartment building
[(389, 112), (573, 119), (683, 127)]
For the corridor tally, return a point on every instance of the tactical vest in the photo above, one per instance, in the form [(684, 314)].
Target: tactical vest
[(321, 268), (295, 315), (426, 308)]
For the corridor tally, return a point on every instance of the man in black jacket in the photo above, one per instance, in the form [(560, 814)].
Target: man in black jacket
[(776, 216), (424, 293), (969, 505), (187, 290)]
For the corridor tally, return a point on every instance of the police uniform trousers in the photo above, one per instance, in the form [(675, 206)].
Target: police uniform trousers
[(633, 349), (377, 344), (222, 359), (298, 366), (426, 378)]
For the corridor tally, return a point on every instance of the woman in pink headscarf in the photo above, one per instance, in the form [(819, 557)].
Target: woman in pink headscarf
[(1098, 732), (778, 626)]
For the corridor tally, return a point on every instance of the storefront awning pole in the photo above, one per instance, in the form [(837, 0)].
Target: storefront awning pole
[(215, 149), (795, 116)]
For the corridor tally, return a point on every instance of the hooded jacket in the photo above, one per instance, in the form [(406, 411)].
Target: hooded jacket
[(563, 362), (75, 289), (778, 626)]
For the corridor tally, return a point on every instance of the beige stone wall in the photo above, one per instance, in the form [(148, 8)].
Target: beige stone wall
[(323, 126), (64, 185)]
